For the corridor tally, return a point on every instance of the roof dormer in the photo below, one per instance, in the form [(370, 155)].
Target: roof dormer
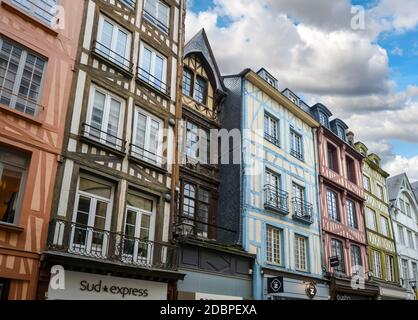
[(263, 73), (339, 128), (322, 114), (292, 96)]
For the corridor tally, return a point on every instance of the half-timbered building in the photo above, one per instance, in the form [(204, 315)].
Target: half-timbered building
[(112, 208)]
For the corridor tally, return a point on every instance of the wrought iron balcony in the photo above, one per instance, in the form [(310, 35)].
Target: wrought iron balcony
[(104, 138), (149, 17), (153, 81), (145, 155), (19, 102), (296, 154), (189, 227), (274, 140), (80, 240), (302, 210), (112, 56), (276, 199)]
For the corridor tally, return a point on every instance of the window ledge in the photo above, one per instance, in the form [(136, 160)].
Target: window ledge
[(21, 115), (21, 13), (10, 227)]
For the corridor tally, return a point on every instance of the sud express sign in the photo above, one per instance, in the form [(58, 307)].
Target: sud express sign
[(86, 286)]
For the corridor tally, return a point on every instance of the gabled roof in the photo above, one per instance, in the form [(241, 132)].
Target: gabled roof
[(394, 185), (415, 188), (200, 44)]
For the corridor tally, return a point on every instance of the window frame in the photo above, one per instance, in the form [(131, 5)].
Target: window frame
[(294, 137), (333, 162), (163, 87), (337, 216), (384, 225), (353, 256), (270, 120), (375, 226), (164, 26), (298, 257), (352, 218), (350, 167), (192, 75), (202, 156), (341, 268), (32, 12), (376, 264), (275, 246), (390, 268)]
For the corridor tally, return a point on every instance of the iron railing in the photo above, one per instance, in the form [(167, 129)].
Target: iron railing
[(33, 7), (276, 199), (148, 16), (302, 210), (112, 56), (187, 227), (145, 155), (81, 240), (152, 80), (273, 139), (19, 102), (297, 154), (103, 137)]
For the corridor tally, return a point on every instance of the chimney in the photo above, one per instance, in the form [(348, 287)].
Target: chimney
[(350, 138)]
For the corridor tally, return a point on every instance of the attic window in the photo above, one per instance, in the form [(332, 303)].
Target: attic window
[(323, 119), (341, 133), (293, 98)]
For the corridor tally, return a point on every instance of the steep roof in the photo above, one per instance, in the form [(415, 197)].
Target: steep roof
[(394, 185), (415, 188), (200, 44)]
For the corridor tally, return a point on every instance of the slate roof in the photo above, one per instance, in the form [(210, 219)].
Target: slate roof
[(394, 185), (415, 188)]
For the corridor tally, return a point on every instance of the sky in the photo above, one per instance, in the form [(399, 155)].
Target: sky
[(358, 57)]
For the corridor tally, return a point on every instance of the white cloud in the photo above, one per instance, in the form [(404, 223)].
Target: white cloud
[(401, 164), (397, 51)]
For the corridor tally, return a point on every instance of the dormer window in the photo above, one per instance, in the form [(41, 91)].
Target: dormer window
[(195, 86), (341, 133), (323, 119), (187, 82), (293, 98), (200, 90), (268, 78)]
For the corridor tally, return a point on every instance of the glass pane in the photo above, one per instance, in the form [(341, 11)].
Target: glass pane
[(83, 210), (139, 202), (158, 71), (95, 188), (113, 124), (97, 113), (9, 191), (121, 47), (153, 140), (146, 62), (163, 13), (106, 37), (145, 227)]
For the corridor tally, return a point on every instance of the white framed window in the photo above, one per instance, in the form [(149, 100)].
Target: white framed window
[(91, 217), (152, 68), (366, 183), (401, 235), (41, 9), (408, 209), (104, 118), (21, 77), (271, 129), (301, 253), (139, 229), (376, 264), (13, 170), (379, 192), (402, 205), (296, 145), (411, 239), (356, 260), (197, 142), (332, 206), (158, 13), (384, 226), (390, 268), (371, 219), (147, 140), (323, 119), (405, 271), (114, 42), (352, 214), (274, 244)]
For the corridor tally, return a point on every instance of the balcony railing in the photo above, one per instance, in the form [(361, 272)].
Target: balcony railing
[(152, 80), (80, 240), (103, 137), (114, 57), (276, 199), (297, 154), (130, 4), (187, 227), (272, 139), (145, 155), (156, 22), (302, 210), (19, 102)]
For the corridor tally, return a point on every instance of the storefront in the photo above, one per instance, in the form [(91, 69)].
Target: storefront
[(88, 286), (342, 289), (284, 286), (392, 293)]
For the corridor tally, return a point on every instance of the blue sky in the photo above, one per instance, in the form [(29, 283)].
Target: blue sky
[(402, 50)]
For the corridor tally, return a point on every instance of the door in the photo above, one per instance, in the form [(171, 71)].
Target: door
[(90, 228), (273, 192), (138, 236), (298, 194)]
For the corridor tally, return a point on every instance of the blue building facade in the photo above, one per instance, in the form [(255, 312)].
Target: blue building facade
[(277, 184)]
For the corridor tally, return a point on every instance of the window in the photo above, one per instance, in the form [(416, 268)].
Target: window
[(376, 264), (414, 271), (147, 138), (337, 250), (300, 207), (301, 253), (187, 82), (332, 205), (410, 240), (200, 90), (158, 13), (196, 207), (296, 148), (371, 219), (341, 133), (113, 42), (13, 167), (379, 192), (384, 226), (390, 268), (351, 214), (401, 235), (274, 196), (323, 119), (274, 243), (405, 271), (139, 228), (408, 209), (89, 233), (197, 142), (130, 3), (4, 289), (402, 205), (356, 261), (21, 78), (366, 183), (351, 170), (152, 68), (271, 129), (104, 118), (332, 155), (41, 9)]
